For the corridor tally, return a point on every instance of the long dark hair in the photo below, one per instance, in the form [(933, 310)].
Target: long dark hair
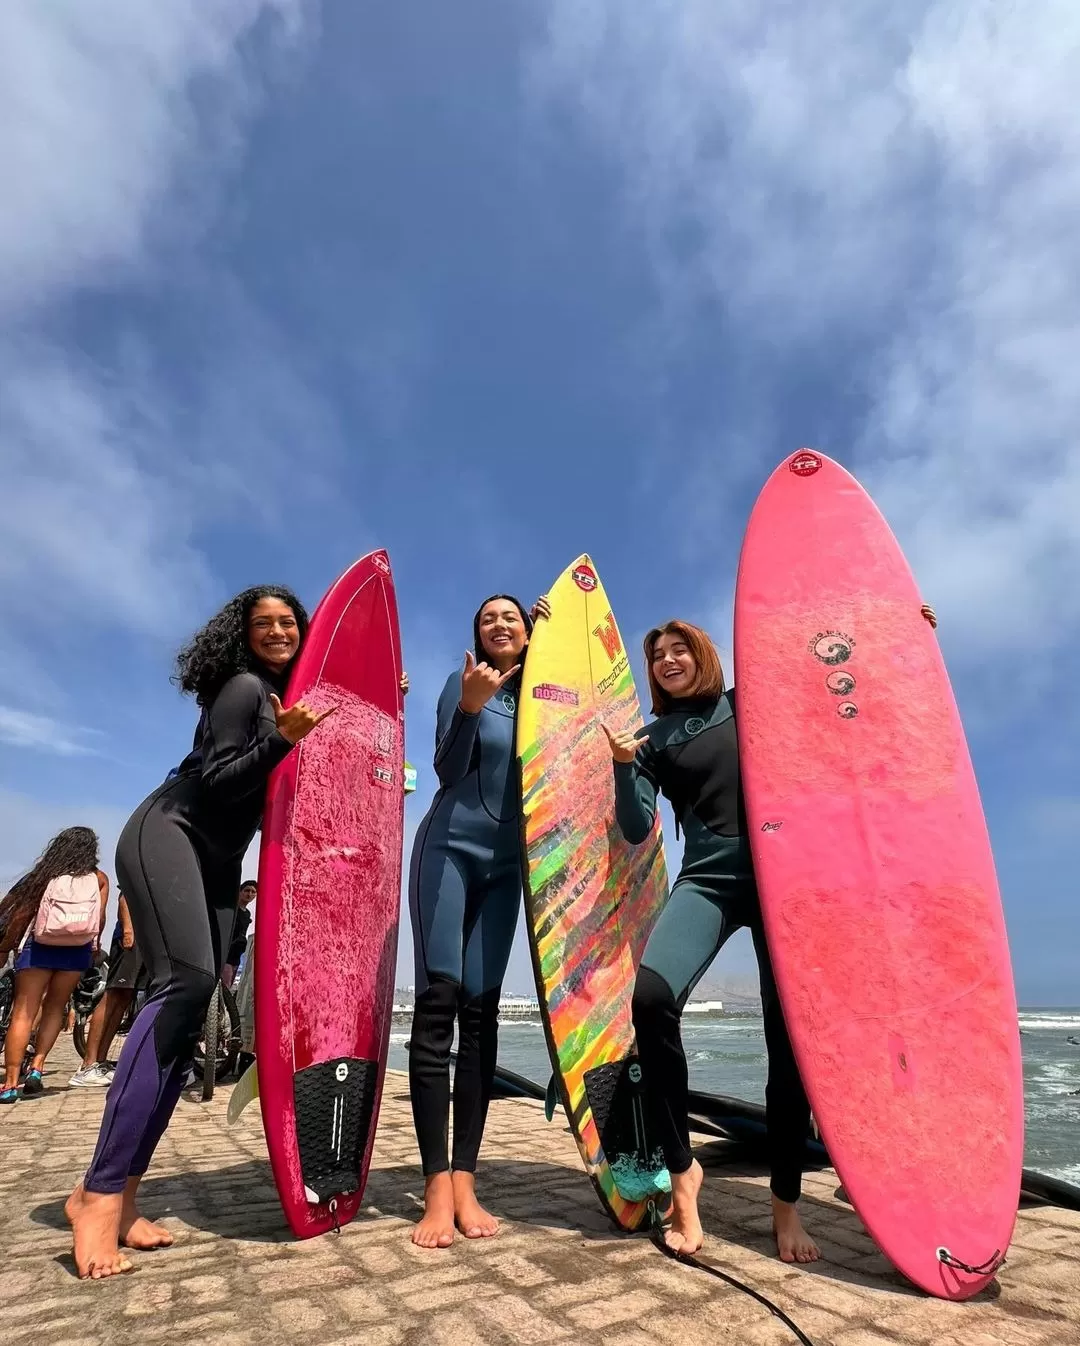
[(478, 644), (221, 649), (73, 851)]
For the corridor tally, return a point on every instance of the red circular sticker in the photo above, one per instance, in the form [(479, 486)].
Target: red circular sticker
[(805, 463), (585, 578)]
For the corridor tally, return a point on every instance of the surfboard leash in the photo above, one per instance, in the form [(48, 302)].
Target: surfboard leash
[(656, 1233), (992, 1264)]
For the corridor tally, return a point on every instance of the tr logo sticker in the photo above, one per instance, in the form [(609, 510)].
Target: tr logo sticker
[(805, 463)]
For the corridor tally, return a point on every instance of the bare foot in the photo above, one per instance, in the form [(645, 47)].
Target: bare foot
[(685, 1234), (95, 1224), (136, 1231), (793, 1243), (436, 1229), (472, 1219)]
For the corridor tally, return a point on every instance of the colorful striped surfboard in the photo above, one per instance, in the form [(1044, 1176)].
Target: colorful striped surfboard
[(591, 899)]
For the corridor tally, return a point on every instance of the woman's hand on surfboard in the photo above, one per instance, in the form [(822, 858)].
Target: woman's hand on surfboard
[(297, 721), (624, 746), (404, 684), (930, 615), (480, 682), (541, 608)]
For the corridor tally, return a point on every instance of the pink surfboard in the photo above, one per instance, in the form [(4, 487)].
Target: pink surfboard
[(878, 890), (329, 894)]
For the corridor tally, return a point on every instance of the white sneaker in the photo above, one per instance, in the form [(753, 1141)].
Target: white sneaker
[(95, 1075)]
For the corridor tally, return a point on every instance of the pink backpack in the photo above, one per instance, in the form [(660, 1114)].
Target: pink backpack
[(70, 911)]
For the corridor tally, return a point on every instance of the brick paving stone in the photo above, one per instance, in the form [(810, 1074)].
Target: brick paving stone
[(525, 1323), (557, 1271), (1051, 1238), (866, 1336), (632, 1337), (631, 1304), (716, 1328)]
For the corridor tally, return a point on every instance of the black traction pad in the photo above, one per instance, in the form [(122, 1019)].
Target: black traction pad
[(335, 1101), (614, 1094)]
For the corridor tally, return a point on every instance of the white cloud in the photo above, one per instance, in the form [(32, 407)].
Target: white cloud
[(22, 729), (898, 189), (99, 125), (92, 491), (121, 125)]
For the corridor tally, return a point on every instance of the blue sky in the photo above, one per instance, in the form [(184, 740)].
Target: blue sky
[(491, 284)]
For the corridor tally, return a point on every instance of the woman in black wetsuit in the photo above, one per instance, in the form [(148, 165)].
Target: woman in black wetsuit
[(178, 860), (690, 755)]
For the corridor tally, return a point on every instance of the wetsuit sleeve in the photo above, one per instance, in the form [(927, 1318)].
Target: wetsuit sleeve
[(455, 735), (241, 923), (635, 795), (237, 763)]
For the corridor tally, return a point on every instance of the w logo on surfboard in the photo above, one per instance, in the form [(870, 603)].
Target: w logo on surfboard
[(607, 633)]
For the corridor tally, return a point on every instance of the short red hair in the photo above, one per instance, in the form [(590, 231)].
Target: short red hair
[(710, 676)]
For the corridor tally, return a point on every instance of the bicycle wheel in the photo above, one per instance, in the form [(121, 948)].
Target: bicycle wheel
[(7, 1002), (229, 1034), (78, 1037), (210, 1046)]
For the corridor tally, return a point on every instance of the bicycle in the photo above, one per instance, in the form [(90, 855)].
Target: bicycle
[(220, 1041), (84, 1001)]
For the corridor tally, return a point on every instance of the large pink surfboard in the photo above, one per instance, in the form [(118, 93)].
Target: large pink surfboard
[(329, 893), (878, 890)]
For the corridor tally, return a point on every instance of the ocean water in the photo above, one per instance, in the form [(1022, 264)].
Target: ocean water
[(727, 1056)]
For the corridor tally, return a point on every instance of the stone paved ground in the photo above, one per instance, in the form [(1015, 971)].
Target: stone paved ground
[(556, 1273)]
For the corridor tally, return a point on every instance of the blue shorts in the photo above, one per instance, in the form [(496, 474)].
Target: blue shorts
[(55, 957)]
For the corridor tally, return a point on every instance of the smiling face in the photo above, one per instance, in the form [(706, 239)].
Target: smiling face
[(503, 635), (673, 664), (681, 661), (273, 633)]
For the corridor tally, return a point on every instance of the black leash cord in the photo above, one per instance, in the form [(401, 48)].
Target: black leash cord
[(657, 1235), (993, 1263)]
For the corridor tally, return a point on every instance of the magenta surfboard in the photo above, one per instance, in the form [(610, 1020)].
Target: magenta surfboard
[(329, 894), (878, 889)]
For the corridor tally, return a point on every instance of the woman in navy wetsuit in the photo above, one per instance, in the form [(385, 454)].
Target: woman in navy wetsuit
[(178, 860), (464, 898)]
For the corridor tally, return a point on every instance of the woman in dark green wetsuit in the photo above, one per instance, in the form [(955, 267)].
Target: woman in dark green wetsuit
[(690, 755), (464, 899)]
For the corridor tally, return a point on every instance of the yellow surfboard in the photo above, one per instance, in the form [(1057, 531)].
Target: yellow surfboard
[(591, 899)]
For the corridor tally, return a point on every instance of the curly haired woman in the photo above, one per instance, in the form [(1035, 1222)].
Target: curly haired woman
[(178, 862)]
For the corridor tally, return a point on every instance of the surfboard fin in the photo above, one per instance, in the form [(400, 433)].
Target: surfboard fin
[(551, 1099), (246, 1091)]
